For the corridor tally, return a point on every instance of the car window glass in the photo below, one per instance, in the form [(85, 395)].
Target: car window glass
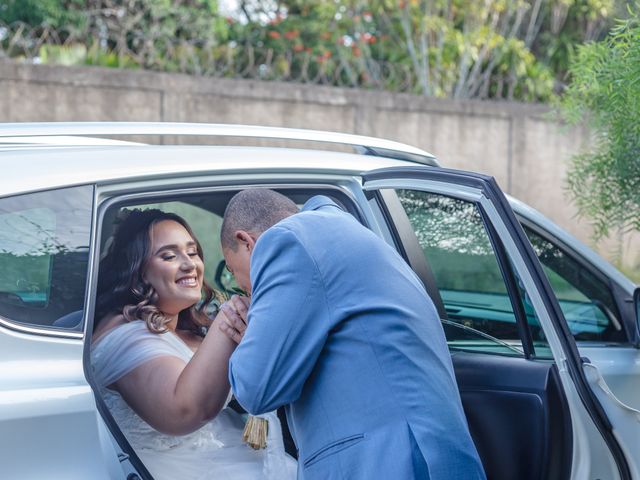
[(25, 274), (204, 215), (586, 301), (540, 345), (457, 247), (44, 251)]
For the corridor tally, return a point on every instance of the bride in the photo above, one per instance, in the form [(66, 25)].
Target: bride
[(164, 384)]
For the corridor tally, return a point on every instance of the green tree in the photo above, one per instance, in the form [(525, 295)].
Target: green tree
[(511, 49), (160, 34), (32, 12), (58, 14), (490, 49), (604, 93)]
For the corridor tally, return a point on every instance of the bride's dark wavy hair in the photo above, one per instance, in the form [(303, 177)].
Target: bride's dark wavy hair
[(121, 284)]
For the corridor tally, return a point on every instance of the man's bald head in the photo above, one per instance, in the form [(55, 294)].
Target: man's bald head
[(253, 210)]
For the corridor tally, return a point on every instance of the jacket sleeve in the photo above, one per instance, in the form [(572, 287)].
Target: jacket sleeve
[(288, 324)]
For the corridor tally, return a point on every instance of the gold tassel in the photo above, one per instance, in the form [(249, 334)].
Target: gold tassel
[(255, 432)]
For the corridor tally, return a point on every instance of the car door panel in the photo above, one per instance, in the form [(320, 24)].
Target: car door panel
[(495, 391), (626, 420), (49, 424), (541, 395), (44, 396), (620, 368)]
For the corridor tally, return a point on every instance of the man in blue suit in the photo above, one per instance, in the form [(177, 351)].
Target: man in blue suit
[(341, 331)]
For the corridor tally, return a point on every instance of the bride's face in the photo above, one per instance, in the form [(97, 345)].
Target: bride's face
[(174, 268)]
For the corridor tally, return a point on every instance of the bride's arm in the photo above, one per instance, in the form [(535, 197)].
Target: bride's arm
[(178, 398)]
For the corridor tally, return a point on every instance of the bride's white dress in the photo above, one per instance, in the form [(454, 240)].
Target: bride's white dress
[(216, 451)]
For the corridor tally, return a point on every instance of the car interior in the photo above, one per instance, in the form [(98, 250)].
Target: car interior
[(512, 396)]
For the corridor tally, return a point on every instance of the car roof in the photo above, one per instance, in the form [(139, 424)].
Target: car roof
[(77, 130), (28, 170), (55, 155), (26, 142)]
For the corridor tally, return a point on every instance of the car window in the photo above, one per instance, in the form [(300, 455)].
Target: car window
[(471, 282), (586, 301), (204, 214), (44, 252), (538, 339)]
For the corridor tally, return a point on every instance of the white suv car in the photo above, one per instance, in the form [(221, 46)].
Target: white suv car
[(543, 333)]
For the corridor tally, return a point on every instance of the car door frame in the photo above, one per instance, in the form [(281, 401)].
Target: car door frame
[(57, 392), (131, 192), (485, 191)]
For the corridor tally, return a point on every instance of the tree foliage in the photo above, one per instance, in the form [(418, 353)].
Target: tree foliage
[(511, 49), (605, 94), (499, 49), (55, 13)]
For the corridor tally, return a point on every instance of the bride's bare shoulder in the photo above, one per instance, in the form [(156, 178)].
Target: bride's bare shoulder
[(106, 324)]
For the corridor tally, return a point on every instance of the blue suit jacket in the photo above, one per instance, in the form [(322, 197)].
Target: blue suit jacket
[(342, 331)]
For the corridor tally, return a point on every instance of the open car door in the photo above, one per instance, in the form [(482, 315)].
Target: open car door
[(534, 407)]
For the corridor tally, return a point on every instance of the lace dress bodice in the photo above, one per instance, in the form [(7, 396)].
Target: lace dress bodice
[(213, 451), (142, 436)]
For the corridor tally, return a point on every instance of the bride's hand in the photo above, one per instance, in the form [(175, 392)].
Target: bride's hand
[(232, 317)]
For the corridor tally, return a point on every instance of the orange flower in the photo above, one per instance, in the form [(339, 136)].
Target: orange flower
[(326, 55), (291, 34), (274, 35), (356, 51), (325, 35), (298, 47)]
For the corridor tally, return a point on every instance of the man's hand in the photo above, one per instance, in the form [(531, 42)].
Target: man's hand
[(232, 317)]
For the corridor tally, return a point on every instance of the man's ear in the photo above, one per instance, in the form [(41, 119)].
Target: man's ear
[(246, 239)]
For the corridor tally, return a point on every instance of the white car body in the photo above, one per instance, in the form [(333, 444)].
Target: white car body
[(53, 425)]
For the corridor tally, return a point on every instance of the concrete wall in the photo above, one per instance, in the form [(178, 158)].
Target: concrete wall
[(519, 144)]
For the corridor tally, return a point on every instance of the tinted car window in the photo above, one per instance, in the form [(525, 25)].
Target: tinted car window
[(586, 301), (44, 252), (204, 215), (459, 251)]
